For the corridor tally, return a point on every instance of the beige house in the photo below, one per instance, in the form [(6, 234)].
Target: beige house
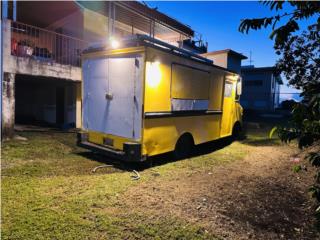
[(42, 44)]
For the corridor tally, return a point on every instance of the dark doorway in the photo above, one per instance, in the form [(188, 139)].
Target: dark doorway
[(60, 105), (43, 101)]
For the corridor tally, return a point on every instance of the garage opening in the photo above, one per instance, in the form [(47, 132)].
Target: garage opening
[(45, 101)]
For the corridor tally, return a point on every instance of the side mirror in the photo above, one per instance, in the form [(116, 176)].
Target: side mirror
[(239, 87)]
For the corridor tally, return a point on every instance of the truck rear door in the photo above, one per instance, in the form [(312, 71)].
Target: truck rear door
[(112, 95)]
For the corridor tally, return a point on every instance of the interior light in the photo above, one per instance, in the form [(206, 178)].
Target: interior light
[(153, 74), (239, 86)]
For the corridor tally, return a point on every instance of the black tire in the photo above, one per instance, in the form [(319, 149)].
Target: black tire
[(236, 131), (184, 147)]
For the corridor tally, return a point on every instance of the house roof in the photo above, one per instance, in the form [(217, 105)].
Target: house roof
[(228, 51), (157, 15), (251, 68)]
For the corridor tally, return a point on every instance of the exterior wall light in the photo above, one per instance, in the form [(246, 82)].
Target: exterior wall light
[(114, 43), (153, 74)]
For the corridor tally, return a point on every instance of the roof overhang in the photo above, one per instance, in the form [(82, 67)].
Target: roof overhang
[(272, 70), (137, 14), (226, 51), (258, 69), (44, 13), (158, 16)]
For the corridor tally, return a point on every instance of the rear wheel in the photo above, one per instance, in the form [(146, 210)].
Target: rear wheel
[(184, 147)]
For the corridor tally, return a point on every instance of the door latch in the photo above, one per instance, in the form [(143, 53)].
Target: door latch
[(109, 96)]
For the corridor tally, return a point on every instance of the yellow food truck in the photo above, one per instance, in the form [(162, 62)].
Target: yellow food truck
[(143, 97)]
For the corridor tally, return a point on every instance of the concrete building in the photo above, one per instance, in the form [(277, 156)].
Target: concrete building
[(41, 52), (261, 88), (226, 58)]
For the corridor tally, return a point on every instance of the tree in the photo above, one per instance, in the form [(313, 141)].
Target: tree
[(300, 54), (301, 10), (300, 63), (288, 104)]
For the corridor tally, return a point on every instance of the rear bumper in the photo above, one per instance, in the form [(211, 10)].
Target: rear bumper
[(131, 151)]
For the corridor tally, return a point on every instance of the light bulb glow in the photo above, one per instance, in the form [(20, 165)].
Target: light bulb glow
[(114, 43), (239, 86)]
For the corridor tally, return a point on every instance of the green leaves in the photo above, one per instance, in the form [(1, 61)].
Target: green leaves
[(314, 190), (281, 34), (305, 121), (296, 168), (273, 130), (286, 134), (314, 159), (302, 10), (273, 4), (255, 24)]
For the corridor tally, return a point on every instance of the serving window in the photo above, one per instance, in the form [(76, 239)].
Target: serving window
[(189, 88), (228, 89)]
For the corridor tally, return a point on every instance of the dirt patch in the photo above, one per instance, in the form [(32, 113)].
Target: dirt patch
[(258, 197)]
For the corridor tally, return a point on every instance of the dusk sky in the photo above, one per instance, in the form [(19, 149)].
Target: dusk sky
[(218, 23)]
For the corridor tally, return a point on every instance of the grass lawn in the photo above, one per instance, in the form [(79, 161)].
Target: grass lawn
[(49, 191)]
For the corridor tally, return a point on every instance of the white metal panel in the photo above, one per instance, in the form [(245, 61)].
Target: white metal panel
[(138, 100), (200, 104), (189, 104), (120, 79), (121, 107), (95, 85), (181, 104)]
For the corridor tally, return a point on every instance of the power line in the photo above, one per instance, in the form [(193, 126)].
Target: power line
[(289, 93)]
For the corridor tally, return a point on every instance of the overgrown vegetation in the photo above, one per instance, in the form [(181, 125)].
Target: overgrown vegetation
[(300, 63)]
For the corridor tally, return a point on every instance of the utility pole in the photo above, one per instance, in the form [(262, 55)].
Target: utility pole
[(250, 58)]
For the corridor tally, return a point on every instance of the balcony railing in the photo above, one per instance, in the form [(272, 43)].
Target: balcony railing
[(44, 45)]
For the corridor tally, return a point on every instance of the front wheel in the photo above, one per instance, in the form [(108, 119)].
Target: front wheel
[(184, 147)]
